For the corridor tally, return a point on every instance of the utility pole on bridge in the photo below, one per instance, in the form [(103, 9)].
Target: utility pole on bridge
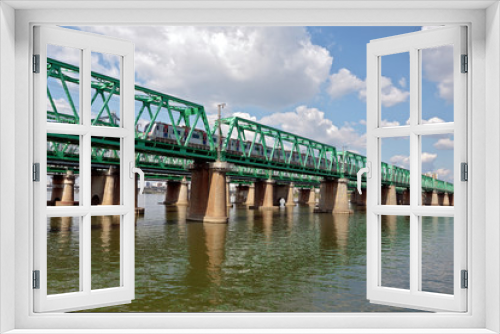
[(219, 142)]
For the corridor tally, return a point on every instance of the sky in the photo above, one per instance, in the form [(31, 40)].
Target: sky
[(305, 80)]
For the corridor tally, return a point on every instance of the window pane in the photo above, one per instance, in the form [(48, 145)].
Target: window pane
[(63, 166), (105, 89), (63, 255), (105, 171), (63, 88), (437, 84), (437, 254), (394, 89), (395, 251), (395, 171), (105, 252), (437, 169)]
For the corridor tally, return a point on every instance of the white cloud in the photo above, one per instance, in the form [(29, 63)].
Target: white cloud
[(268, 67), (402, 82), (244, 115), (62, 106), (400, 161), (444, 144), (432, 120), (344, 82), (311, 123), (438, 68), (386, 123), (427, 160), (444, 174), (403, 161), (390, 94)]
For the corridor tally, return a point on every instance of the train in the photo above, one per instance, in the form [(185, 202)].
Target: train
[(163, 132)]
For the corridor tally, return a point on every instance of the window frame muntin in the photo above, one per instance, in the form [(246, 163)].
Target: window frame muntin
[(25, 19)]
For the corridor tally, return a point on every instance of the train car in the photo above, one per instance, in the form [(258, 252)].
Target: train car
[(166, 133)]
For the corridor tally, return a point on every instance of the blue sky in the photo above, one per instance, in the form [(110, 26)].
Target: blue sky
[(306, 80)]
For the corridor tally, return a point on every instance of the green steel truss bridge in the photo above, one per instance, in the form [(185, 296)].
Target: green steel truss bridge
[(172, 133)]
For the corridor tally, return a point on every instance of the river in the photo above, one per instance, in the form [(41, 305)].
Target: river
[(281, 260)]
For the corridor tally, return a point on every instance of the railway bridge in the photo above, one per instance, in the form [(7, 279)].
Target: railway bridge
[(174, 142)]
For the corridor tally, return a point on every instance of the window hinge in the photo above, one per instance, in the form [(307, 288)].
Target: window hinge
[(36, 279), (36, 63), (36, 172), (465, 64), (464, 168), (465, 279)]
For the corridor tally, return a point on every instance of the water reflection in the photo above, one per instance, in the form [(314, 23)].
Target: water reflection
[(282, 260), (63, 255)]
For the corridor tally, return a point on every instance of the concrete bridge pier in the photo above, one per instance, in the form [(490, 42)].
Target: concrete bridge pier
[(303, 196), (451, 196), (57, 188), (65, 189), (199, 191), (446, 199), (264, 195), (111, 195), (326, 199), (289, 197), (250, 199), (208, 193), (389, 196), (341, 199), (432, 198), (241, 194), (440, 199), (406, 196), (177, 193), (312, 197)]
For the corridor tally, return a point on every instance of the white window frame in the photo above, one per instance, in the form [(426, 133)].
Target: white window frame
[(413, 44), (484, 103), (86, 297)]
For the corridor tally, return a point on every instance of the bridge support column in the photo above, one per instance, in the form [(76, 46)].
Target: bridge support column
[(208, 193), (303, 196), (57, 188), (199, 191), (406, 196), (264, 195), (451, 196), (326, 199), (177, 193), (241, 194), (432, 198), (389, 196), (268, 195), (111, 194), (68, 191), (341, 199), (446, 199), (250, 200), (228, 194), (312, 197), (440, 199), (289, 197)]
